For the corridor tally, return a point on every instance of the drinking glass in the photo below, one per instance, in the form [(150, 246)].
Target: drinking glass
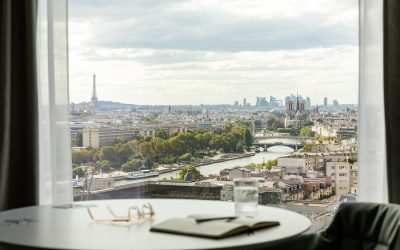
[(245, 196)]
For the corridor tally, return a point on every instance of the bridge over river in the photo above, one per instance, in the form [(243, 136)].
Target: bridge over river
[(294, 142)]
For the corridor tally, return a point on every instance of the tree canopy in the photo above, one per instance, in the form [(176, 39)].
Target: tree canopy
[(164, 149), (307, 131), (196, 173)]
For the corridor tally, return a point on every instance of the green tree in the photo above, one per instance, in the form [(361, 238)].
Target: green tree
[(104, 165), (240, 147), (124, 152), (352, 160), (271, 163), (78, 171), (307, 131), (132, 165), (148, 163), (168, 159), (146, 150), (159, 146), (270, 121), (248, 138), (257, 123), (196, 173), (79, 157), (277, 123), (162, 134), (307, 147), (185, 157), (79, 139), (119, 140), (108, 153)]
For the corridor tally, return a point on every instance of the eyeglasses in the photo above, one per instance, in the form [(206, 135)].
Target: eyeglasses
[(147, 212)]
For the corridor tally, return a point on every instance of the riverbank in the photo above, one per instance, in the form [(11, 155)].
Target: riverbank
[(211, 160), (210, 168), (119, 175)]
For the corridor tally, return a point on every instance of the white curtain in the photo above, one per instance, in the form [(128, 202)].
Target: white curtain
[(54, 135), (371, 128)]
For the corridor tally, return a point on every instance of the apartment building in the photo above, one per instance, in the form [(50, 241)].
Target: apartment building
[(340, 173), (103, 136)]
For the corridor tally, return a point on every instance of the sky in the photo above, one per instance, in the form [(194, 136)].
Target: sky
[(162, 52)]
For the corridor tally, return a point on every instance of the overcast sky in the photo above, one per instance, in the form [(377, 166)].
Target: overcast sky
[(213, 51)]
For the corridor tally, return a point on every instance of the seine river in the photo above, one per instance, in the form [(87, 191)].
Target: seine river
[(272, 154)]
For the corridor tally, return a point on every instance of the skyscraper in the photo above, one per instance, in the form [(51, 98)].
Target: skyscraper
[(308, 101), (94, 93), (325, 102), (335, 103)]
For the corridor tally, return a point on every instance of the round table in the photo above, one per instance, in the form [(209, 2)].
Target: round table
[(72, 228)]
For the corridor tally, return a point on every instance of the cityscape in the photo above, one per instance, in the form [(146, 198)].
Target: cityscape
[(303, 154)]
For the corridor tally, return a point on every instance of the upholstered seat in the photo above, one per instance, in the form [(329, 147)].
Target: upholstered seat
[(364, 226)]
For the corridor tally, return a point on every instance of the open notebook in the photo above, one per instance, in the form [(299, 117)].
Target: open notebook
[(209, 226)]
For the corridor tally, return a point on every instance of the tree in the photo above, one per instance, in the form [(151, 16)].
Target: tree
[(257, 123), (307, 131), (146, 150), (307, 147), (79, 139), (104, 165), (124, 152), (240, 147), (196, 173), (78, 171), (277, 124), (159, 146), (271, 163), (132, 165), (79, 157), (270, 121), (186, 157), (162, 134), (168, 159), (248, 138), (352, 160), (108, 153), (119, 140), (148, 163)]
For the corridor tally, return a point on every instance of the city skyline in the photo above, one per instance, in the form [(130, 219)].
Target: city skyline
[(199, 52)]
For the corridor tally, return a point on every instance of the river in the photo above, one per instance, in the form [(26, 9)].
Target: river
[(271, 154)]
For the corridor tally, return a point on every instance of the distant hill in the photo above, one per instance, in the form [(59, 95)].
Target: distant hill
[(109, 105)]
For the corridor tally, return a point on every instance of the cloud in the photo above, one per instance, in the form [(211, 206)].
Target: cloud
[(220, 77), (219, 25), (192, 52)]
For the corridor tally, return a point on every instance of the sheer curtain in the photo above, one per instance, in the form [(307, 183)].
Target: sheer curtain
[(371, 129), (55, 171)]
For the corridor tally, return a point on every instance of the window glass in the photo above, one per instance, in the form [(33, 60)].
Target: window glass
[(175, 99)]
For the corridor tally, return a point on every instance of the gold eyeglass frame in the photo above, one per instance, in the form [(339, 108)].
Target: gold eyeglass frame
[(147, 212)]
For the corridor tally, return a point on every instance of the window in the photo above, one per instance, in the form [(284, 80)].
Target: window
[(214, 85)]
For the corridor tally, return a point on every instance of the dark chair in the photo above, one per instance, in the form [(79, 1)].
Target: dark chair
[(364, 226)]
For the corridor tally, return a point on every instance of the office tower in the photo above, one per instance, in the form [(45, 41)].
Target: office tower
[(335, 103), (272, 101), (261, 102), (308, 100), (325, 102)]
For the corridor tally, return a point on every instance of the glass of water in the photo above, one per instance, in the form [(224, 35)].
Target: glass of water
[(245, 196)]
